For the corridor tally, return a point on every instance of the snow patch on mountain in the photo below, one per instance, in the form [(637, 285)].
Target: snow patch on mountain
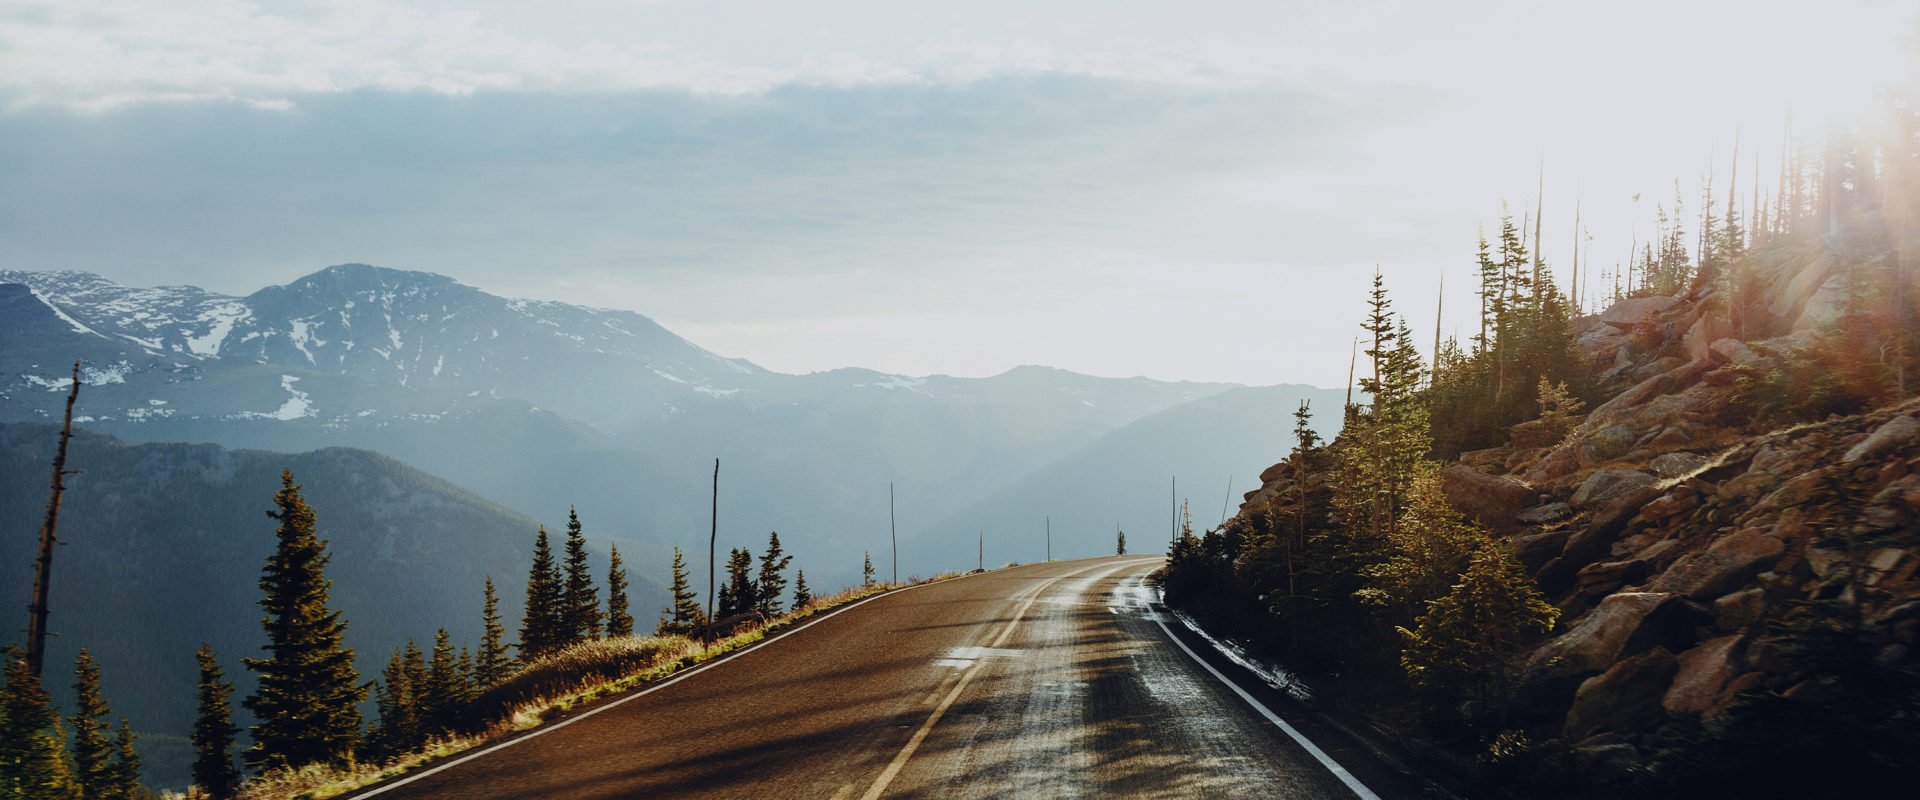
[(298, 404), (220, 320)]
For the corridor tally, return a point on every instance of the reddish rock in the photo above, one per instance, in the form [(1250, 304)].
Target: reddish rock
[(1626, 698), (1636, 310), (1699, 340), (1490, 499), (1731, 560), (1273, 473), (1704, 674), (1678, 501), (1609, 485), (1740, 609), (1623, 624), (1535, 550), (1737, 353), (1561, 462), (1892, 435)]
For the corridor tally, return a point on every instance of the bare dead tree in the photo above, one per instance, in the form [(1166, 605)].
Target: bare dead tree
[(43, 565)]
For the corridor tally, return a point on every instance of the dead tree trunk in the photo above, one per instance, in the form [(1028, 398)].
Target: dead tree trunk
[(43, 565)]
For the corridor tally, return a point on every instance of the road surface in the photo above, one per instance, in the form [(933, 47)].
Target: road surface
[(1047, 680)]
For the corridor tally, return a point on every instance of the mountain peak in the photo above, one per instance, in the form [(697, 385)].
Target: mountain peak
[(356, 273)]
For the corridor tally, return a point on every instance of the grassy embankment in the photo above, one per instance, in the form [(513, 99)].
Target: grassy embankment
[(548, 688)]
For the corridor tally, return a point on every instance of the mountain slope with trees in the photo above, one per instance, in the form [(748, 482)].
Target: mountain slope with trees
[(165, 543), (1669, 549)]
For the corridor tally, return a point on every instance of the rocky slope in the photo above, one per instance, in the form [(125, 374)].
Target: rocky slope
[(1682, 520)]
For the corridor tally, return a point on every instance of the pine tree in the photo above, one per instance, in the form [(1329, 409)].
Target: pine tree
[(619, 622), (33, 752), (444, 696), (581, 602), (541, 624), (1120, 547), (772, 583), (123, 776), (739, 595), (1462, 643), (395, 697), (92, 751), (866, 570), (492, 665), (213, 731), (308, 695), (685, 615), (801, 594)]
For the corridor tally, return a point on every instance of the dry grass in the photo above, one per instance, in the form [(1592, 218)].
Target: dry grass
[(551, 686)]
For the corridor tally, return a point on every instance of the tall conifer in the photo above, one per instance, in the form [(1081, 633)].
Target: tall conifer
[(92, 750), (772, 582), (213, 731), (33, 750), (866, 569), (581, 602), (739, 595), (685, 615), (801, 594), (492, 664), (541, 624), (307, 702), (619, 621), (123, 777), (445, 694)]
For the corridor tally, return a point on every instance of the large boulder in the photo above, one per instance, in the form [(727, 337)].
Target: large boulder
[(1729, 562), (1492, 500), (1890, 436), (1674, 465), (1736, 353), (1708, 329), (1704, 675), (1623, 624), (1633, 311), (1607, 485), (1626, 698)]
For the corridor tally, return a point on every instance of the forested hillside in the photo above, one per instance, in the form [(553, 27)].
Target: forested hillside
[(1666, 549), (163, 551)]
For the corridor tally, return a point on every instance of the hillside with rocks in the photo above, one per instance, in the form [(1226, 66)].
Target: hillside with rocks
[(1728, 494)]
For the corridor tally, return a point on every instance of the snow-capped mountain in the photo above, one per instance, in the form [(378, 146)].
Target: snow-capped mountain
[(538, 404), (417, 330)]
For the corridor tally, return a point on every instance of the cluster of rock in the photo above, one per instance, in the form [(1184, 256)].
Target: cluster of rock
[(1669, 536)]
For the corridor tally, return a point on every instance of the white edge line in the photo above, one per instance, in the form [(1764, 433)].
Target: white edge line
[(1325, 760), (682, 675)]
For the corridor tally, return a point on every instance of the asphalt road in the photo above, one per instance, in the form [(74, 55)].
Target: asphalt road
[(1047, 680)]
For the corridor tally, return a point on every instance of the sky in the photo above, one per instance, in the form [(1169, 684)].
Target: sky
[(1181, 190)]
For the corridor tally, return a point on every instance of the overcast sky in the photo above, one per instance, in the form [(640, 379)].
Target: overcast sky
[(1183, 190)]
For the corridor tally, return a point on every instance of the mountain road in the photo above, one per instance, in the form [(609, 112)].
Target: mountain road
[(1061, 679)]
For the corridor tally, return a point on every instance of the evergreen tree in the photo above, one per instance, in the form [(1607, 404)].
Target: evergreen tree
[(92, 751), (308, 695), (1120, 547), (739, 595), (213, 731), (581, 601), (772, 583), (1462, 643), (801, 594), (123, 777), (492, 665), (619, 622), (540, 627), (445, 694), (685, 616), (866, 570), (395, 696), (33, 752)]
